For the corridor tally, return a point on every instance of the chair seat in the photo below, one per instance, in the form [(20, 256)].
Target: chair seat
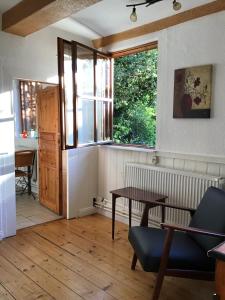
[(184, 254)]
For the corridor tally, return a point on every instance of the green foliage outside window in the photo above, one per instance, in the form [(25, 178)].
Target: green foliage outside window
[(135, 93)]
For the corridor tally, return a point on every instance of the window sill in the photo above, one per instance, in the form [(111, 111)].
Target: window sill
[(130, 148)]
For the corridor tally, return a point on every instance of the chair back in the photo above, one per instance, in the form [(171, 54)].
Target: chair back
[(210, 215), (24, 158)]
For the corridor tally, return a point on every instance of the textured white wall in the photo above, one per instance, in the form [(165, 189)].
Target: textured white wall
[(201, 41), (193, 43), (82, 181)]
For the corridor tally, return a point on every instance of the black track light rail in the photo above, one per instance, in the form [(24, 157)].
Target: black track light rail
[(147, 2)]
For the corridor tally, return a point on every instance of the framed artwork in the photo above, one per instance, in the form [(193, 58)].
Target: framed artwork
[(192, 92)]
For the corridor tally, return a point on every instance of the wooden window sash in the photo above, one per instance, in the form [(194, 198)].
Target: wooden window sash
[(134, 50), (109, 100)]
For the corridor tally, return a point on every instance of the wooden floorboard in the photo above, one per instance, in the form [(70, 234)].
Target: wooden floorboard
[(77, 259)]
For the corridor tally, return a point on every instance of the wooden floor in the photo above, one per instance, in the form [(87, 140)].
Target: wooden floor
[(77, 259)]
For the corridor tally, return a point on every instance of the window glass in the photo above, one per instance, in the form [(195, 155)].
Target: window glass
[(102, 77), (85, 124), (135, 97), (68, 82), (28, 100), (85, 72)]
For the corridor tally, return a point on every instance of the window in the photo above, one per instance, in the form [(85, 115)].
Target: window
[(135, 93), (86, 94), (28, 99)]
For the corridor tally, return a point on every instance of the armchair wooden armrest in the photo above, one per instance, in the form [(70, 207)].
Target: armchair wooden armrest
[(192, 230), (184, 208)]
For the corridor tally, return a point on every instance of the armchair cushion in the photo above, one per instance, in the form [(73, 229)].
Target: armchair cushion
[(210, 215), (185, 253)]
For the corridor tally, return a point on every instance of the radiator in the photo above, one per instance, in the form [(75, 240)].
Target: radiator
[(182, 188)]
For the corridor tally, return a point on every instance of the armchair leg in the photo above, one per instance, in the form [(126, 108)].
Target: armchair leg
[(163, 264), (134, 262)]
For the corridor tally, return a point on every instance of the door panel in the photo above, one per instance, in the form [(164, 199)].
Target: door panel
[(49, 148)]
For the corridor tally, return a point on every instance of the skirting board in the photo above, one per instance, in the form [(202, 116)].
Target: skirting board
[(87, 211), (122, 219)]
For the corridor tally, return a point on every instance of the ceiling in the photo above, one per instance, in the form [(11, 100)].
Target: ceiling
[(108, 17), (7, 4), (112, 16)]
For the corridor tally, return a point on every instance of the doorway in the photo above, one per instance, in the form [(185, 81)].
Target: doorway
[(37, 153)]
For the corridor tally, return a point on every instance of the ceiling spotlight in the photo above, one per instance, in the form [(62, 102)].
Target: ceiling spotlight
[(176, 5), (133, 16)]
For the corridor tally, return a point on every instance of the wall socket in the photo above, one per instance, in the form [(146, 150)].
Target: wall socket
[(154, 160)]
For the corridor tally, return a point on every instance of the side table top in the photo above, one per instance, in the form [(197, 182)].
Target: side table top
[(138, 194)]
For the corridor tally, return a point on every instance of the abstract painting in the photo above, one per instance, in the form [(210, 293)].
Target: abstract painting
[(192, 92)]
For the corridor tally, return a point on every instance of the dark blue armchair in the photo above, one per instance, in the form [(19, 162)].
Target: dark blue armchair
[(182, 251)]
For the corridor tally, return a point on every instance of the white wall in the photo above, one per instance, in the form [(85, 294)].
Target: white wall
[(34, 58), (82, 180), (201, 41)]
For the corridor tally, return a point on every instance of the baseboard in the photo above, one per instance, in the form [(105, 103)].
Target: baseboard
[(124, 218), (1, 235), (87, 211)]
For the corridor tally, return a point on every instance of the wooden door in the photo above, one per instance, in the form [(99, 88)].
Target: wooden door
[(49, 148)]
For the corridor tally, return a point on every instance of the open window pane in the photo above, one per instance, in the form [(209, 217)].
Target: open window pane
[(103, 110), (102, 76), (68, 83), (85, 91), (85, 72), (85, 117)]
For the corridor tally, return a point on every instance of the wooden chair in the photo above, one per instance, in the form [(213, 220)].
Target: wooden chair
[(24, 166), (182, 251)]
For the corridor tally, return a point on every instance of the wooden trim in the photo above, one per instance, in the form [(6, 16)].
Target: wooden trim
[(29, 16), (95, 104), (75, 98), (21, 11), (60, 44), (134, 50), (191, 14)]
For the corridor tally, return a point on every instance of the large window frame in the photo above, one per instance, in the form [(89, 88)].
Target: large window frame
[(107, 101), (130, 51)]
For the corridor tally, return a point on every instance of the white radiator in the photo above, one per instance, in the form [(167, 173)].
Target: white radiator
[(183, 188)]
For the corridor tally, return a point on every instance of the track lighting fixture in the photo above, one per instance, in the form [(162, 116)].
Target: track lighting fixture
[(133, 17)]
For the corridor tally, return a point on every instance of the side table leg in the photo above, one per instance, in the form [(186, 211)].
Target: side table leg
[(29, 180), (134, 262), (163, 212), (130, 212), (113, 214), (144, 219)]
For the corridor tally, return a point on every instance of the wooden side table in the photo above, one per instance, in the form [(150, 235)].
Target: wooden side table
[(219, 253), (139, 195)]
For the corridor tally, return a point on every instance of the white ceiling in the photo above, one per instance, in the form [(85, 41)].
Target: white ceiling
[(111, 16), (7, 4)]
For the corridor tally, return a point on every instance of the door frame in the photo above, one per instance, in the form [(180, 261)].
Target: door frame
[(62, 198)]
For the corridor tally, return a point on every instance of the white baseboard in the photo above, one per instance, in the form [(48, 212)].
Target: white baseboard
[(2, 236), (87, 211), (124, 218)]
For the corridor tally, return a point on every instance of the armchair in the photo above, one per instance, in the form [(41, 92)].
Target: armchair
[(182, 251)]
